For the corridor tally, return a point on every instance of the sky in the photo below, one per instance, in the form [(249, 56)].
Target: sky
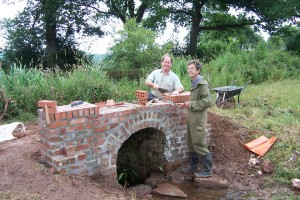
[(93, 45)]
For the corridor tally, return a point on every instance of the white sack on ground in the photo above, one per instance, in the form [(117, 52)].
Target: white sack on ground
[(6, 130)]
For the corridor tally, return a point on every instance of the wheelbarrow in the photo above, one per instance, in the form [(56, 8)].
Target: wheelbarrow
[(227, 93)]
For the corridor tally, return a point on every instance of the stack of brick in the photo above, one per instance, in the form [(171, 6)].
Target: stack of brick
[(142, 97), (180, 98), (54, 114)]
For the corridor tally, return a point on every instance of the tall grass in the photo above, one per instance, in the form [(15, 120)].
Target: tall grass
[(264, 63), (87, 83)]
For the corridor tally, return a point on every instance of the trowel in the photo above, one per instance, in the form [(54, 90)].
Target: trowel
[(162, 90)]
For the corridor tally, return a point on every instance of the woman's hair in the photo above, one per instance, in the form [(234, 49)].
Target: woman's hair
[(197, 64), (166, 55)]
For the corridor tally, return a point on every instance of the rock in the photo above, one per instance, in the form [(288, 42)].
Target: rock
[(252, 162), (147, 197), (155, 179), (214, 181), (259, 173), (178, 178), (141, 191), (169, 190), (267, 167), (296, 183)]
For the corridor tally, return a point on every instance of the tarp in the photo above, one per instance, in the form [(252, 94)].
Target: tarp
[(6, 130), (260, 145)]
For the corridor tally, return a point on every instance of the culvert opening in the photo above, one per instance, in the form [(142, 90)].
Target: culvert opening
[(141, 154)]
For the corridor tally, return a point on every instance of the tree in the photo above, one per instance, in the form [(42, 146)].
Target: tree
[(193, 13), (213, 43), (135, 48), (24, 45), (291, 36), (55, 21)]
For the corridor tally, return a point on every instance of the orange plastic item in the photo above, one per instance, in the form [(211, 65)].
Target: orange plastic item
[(260, 145)]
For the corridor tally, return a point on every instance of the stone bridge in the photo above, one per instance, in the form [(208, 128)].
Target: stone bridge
[(87, 139)]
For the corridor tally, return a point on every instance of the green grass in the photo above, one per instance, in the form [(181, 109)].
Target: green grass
[(273, 109)]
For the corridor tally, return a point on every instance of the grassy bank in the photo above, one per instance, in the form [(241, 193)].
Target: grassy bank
[(273, 109)]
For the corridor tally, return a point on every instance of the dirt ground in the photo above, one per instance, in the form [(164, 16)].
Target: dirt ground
[(24, 176)]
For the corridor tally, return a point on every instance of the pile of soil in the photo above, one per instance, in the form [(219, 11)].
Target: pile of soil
[(25, 176)]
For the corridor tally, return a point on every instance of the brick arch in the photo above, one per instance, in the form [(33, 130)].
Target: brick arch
[(173, 130), (85, 139)]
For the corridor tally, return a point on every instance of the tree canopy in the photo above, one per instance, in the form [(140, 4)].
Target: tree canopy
[(54, 23)]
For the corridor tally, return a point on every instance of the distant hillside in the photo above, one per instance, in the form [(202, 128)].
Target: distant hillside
[(98, 57)]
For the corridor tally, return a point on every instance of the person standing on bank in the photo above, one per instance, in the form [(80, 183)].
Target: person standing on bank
[(164, 78), (198, 104)]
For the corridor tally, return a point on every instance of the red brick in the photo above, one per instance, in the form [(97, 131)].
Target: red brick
[(92, 111), (69, 151), (100, 129), (79, 127), (57, 152), (63, 115), (69, 114), (75, 113), (58, 124), (49, 110), (82, 147), (98, 143), (81, 112), (78, 121), (57, 116), (86, 111), (49, 103), (140, 94), (111, 126), (97, 111), (51, 117), (89, 126)]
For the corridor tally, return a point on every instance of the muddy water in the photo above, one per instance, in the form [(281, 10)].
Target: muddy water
[(198, 193)]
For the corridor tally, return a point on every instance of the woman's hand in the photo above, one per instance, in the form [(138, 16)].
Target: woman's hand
[(183, 105)]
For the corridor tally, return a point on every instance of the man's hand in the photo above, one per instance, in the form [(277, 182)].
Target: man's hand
[(175, 92), (155, 86)]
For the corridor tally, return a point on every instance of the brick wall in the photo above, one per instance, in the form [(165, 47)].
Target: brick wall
[(84, 139)]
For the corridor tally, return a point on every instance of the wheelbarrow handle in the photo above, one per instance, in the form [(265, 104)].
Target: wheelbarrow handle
[(234, 82), (247, 83)]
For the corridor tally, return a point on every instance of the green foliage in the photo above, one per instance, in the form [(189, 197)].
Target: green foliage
[(135, 49), (127, 177), (87, 83), (26, 48), (290, 35), (214, 43), (266, 62), (24, 87)]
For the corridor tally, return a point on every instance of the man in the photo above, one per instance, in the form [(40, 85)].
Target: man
[(164, 78), (198, 104)]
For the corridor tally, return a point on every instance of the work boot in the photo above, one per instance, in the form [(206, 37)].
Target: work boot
[(193, 164), (207, 167)]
